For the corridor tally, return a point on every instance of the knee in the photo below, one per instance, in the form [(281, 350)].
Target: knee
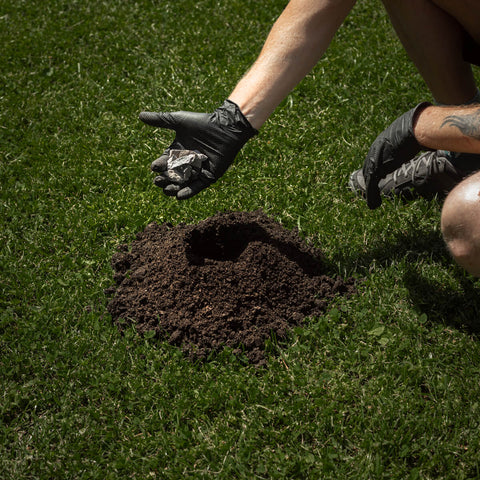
[(460, 224)]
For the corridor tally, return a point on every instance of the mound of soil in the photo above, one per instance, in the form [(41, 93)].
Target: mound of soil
[(232, 280)]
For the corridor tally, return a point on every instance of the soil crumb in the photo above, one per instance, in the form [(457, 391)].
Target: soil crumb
[(234, 280)]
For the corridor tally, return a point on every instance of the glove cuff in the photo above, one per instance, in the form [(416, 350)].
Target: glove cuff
[(230, 114)]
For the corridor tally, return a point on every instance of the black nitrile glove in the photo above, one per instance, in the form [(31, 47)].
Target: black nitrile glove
[(392, 148), (214, 139)]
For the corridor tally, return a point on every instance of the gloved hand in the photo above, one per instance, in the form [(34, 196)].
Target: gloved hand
[(392, 148), (213, 138)]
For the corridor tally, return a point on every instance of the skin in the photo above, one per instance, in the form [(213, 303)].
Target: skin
[(431, 32), (449, 128), (433, 38), (457, 129), (460, 224), (304, 30), (296, 42), (466, 12)]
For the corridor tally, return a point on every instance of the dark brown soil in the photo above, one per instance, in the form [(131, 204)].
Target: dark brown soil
[(231, 280)]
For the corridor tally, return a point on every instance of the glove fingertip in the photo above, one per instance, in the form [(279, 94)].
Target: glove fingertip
[(374, 200), (158, 119), (185, 193), (160, 164), (161, 181), (146, 117), (171, 190), (190, 191), (374, 205)]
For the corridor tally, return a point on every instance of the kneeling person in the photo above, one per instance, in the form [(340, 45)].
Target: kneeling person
[(433, 129)]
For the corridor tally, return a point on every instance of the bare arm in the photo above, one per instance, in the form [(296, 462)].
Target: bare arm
[(297, 41), (450, 128)]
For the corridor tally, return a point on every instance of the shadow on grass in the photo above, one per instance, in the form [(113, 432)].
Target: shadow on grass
[(415, 246), (457, 306)]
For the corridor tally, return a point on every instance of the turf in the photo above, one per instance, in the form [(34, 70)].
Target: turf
[(386, 385)]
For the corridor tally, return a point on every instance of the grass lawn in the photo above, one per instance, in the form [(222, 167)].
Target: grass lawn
[(385, 385)]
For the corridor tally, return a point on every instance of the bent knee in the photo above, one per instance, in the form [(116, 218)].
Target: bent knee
[(465, 254), (460, 223)]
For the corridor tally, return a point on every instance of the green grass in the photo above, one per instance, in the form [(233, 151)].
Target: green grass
[(386, 385)]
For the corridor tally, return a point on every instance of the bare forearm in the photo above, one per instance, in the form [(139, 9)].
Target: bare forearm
[(450, 128), (296, 42)]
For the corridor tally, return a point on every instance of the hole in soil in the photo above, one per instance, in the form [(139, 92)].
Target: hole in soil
[(227, 243), (222, 242)]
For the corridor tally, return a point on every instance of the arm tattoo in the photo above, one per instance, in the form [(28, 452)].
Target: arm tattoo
[(468, 124)]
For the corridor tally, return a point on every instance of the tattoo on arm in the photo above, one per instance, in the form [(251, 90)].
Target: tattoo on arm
[(468, 124)]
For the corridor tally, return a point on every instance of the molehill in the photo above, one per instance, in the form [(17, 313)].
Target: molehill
[(232, 280)]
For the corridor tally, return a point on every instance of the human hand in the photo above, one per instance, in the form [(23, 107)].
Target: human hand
[(392, 148), (211, 142)]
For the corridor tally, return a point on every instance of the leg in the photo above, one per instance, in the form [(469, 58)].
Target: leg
[(460, 223), (433, 34), (434, 41), (466, 12)]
